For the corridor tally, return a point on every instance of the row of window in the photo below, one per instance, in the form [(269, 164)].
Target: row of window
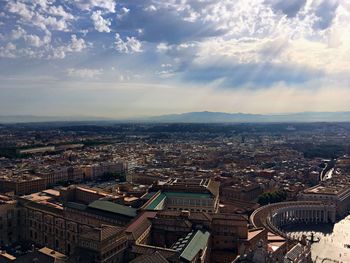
[(189, 209)]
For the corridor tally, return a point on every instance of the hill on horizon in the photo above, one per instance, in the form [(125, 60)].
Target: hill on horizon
[(193, 117), (223, 117)]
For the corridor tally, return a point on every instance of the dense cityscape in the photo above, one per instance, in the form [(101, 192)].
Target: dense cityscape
[(174, 131), (109, 192)]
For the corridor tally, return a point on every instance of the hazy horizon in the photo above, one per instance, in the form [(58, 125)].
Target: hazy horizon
[(168, 113), (127, 59), (191, 117)]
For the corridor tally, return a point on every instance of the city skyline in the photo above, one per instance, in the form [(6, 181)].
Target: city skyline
[(122, 59)]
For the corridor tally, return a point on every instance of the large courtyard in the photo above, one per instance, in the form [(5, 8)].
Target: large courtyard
[(333, 240)]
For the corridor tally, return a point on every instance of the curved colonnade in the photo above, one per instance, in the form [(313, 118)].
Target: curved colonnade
[(275, 216)]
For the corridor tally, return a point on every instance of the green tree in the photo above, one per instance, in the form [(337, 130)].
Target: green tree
[(272, 197)]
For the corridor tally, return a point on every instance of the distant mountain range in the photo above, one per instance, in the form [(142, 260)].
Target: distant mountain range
[(197, 117), (222, 117)]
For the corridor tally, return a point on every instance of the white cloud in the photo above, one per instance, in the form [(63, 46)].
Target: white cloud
[(76, 45), (123, 12), (53, 23), (150, 8), (240, 32), (42, 3), (166, 65), (39, 18), (59, 11), (20, 9), (163, 47), (33, 40), (29, 52), (8, 51), (30, 39), (140, 31), (36, 41), (186, 9), (18, 33), (88, 5), (253, 32), (100, 24), (84, 72), (129, 45), (165, 73)]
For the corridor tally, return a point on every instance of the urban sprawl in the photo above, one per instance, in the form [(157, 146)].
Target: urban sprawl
[(108, 193)]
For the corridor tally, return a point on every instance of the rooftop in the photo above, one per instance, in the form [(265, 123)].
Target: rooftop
[(330, 188), (185, 194), (52, 253), (111, 207), (192, 244), (154, 204)]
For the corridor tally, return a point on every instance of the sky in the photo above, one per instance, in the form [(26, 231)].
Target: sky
[(134, 58)]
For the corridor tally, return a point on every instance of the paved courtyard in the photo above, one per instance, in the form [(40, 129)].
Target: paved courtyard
[(333, 241)]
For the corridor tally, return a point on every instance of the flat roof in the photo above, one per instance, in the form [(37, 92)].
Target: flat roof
[(52, 253), (328, 189), (8, 256), (254, 232), (186, 194), (111, 207), (156, 202), (198, 242), (77, 206), (52, 192)]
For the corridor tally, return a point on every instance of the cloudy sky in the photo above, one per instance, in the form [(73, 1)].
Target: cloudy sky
[(128, 58)]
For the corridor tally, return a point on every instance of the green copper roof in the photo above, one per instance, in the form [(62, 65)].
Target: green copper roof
[(198, 242), (153, 205), (111, 207), (76, 206)]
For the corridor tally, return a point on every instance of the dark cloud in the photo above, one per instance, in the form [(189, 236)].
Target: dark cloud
[(290, 8), (165, 24), (326, 12)]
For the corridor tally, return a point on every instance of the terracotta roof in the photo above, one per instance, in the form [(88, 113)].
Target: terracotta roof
[(150, 250), (254, 232), (156, 257), (102, 233), (214, 187), (179, 222), (140, 225)]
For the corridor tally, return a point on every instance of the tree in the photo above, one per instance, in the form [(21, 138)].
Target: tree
[(272, 197)]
